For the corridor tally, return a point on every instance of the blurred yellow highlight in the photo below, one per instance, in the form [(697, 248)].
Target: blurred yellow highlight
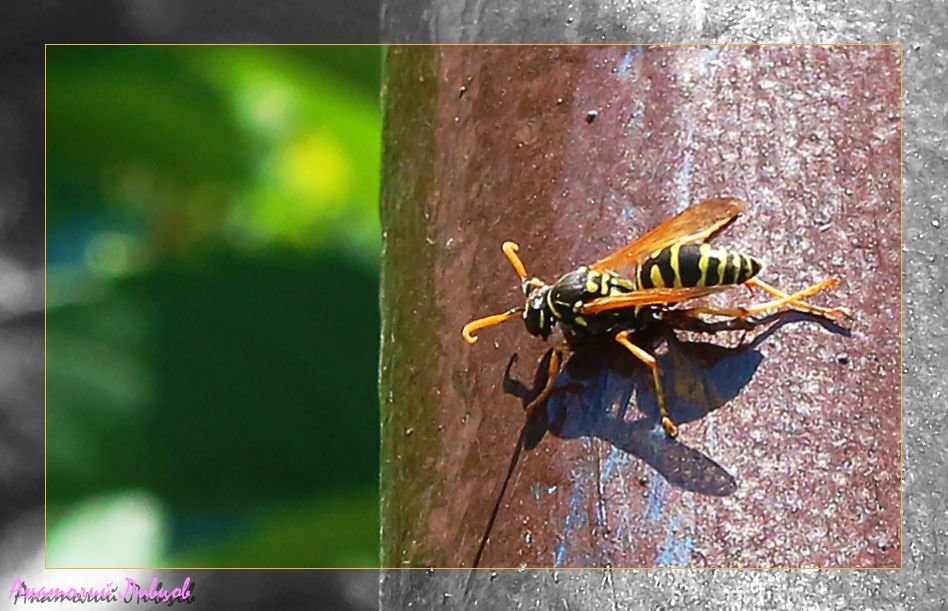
[(319, 170)]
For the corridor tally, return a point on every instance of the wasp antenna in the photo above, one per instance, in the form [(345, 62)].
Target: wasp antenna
[(488, 321), (510, 249)]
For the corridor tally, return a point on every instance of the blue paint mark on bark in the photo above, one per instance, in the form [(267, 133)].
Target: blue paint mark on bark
[(636, 119), (707, 58), (683, 176), (627, 60), (574, 519), (664, 558), (601, 513), (539, 491), (676, 550), (610, 463), (560, 552), (655, 502)]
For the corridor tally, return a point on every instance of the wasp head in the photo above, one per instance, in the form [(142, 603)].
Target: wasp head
[(536, 314)]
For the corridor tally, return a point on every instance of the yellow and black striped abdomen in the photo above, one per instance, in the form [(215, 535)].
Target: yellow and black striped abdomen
[(691, 265)]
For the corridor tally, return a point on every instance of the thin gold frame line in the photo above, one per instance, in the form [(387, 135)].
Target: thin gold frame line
[(900, 46)]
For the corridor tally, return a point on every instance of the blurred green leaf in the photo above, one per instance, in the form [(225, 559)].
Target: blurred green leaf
[(111, 110), (231, 377), (255, 144), (332, 531), (212, 329)]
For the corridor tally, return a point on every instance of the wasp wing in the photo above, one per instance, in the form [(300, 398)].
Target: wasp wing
[(696, 224), (646, 297)]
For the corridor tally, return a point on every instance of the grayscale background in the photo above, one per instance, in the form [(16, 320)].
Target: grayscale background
[(24, 29), (921, 27)]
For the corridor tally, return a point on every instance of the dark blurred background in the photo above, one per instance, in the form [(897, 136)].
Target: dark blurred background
[(24, 30), (212, 325)]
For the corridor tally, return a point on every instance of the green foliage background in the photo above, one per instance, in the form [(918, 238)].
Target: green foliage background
[(212, 317)]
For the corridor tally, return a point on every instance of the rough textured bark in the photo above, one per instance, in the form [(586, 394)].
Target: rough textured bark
[(789, 455)]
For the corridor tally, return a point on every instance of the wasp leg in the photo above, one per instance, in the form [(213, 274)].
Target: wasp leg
[(786, 300), (799, 305), (623, 338), (556, 359)]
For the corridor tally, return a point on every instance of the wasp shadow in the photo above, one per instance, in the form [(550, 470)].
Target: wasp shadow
[(601, 384)]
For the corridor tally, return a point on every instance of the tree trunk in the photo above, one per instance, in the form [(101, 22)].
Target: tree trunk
[(789, 453)]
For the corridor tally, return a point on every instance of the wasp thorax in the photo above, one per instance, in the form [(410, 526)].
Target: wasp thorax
[(536, 314)]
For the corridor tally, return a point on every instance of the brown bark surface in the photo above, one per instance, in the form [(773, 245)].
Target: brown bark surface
[(789, 453)]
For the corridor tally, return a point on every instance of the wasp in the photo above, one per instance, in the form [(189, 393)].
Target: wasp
[(630, 288)]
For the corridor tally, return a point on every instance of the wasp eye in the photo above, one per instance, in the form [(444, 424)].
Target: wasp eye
[(537, 317)]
